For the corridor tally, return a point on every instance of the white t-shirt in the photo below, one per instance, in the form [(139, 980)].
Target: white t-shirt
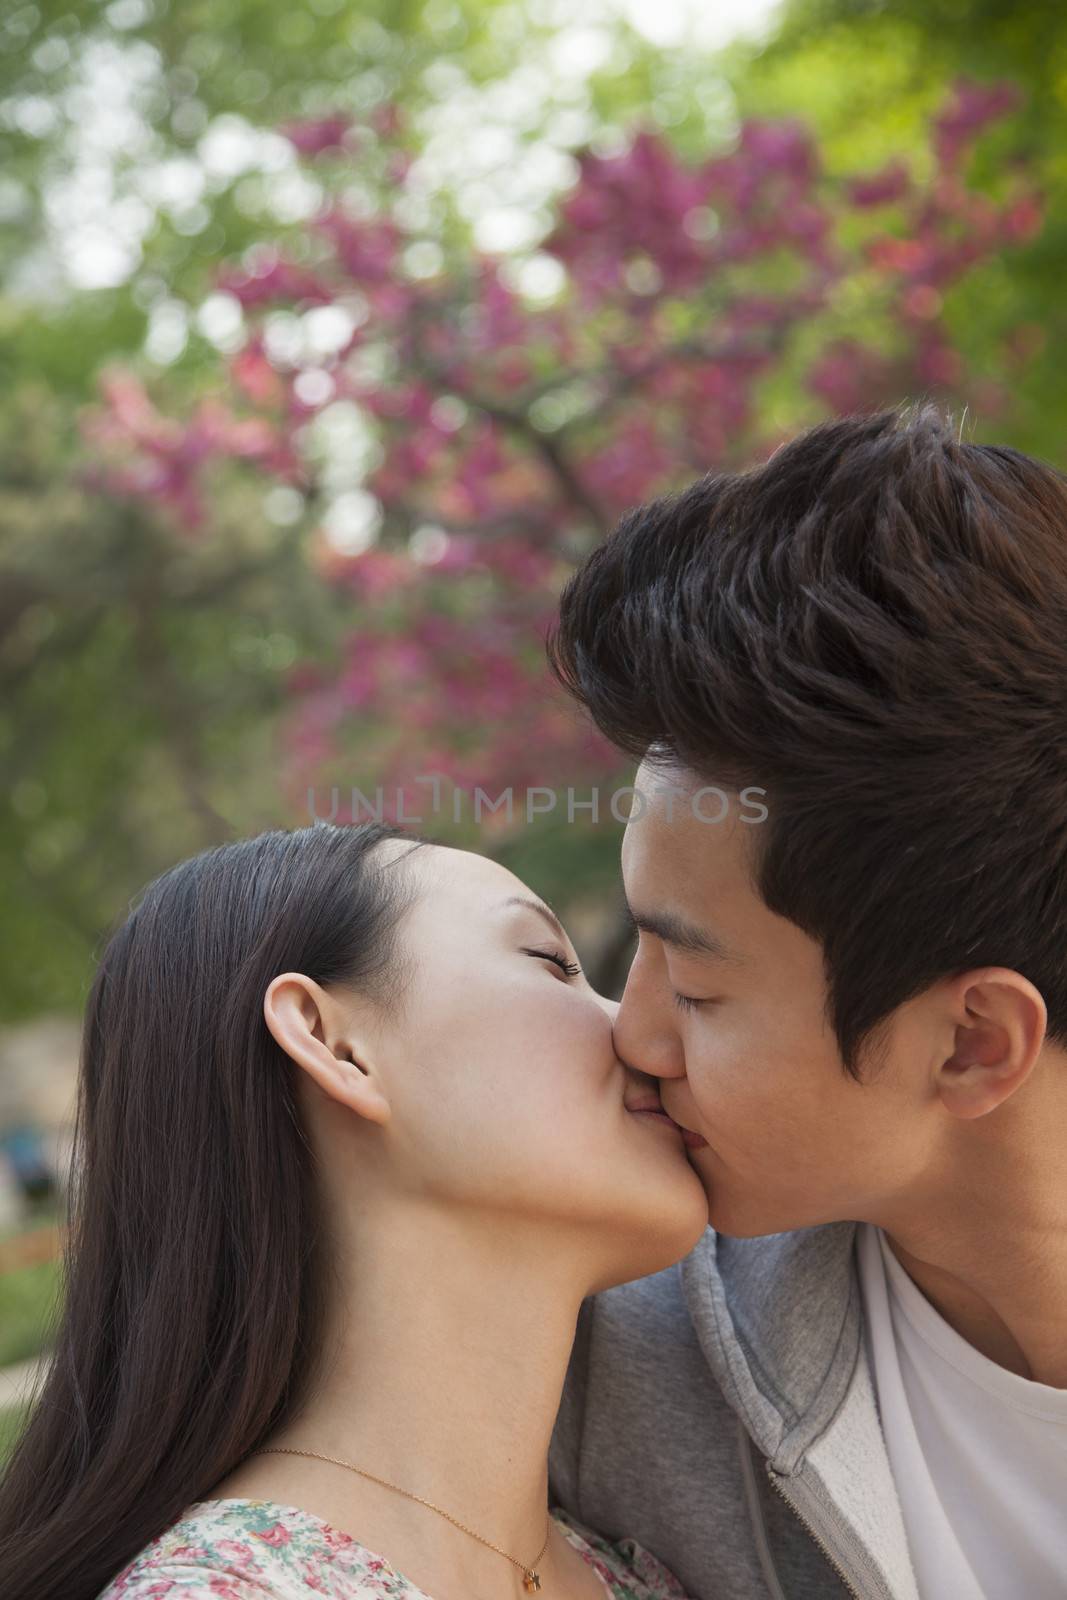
[(979, 1455)]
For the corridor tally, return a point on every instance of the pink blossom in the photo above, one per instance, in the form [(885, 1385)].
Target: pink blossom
[(973, 107), (1024, 218), (269, 277), (254, 375), (366, 250), (891, 182), (692, 287), (315, 135), (388, 119), (938, 364), (849, 376), (375, 573)]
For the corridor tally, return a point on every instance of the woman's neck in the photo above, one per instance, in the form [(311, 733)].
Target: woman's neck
[(442, 1373)]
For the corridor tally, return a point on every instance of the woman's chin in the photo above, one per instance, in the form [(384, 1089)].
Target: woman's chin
[(675, 1171), (673, 1220)]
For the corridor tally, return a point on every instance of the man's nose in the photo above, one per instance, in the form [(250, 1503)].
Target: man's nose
[(642, 1042)]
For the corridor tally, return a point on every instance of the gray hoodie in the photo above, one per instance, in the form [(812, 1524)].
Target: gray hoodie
[(722, 1414)]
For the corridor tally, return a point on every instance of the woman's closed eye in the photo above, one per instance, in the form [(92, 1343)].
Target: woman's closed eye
[(571, 968)]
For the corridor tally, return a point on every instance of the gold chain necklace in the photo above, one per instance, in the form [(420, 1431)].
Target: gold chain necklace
[(531, 1579)]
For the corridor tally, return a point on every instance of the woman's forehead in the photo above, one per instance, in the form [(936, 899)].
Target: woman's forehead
[(450, 873)]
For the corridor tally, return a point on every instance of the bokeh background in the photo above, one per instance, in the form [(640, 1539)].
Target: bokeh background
[(332, 336)]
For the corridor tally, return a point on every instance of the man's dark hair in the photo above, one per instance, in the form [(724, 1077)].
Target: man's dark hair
[(873, 626)]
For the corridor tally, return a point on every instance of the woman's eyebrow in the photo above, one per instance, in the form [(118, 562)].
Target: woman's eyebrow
[(542, 911), (681, 935)]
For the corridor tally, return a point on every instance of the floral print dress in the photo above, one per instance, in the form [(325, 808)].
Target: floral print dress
[(261, 1550)]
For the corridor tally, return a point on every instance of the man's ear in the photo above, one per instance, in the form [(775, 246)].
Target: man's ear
[(1000, 1021), (321, 1036)]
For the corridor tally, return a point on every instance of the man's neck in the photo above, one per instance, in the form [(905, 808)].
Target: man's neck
[(990, 1254)]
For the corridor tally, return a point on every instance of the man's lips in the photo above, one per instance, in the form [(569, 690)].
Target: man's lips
[(653, 1108), (696, 1141)]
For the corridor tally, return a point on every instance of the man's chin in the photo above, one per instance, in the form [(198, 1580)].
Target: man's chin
[(749, 1212)]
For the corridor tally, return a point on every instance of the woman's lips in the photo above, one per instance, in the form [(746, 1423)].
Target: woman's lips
[(656, 1116), (695, 1140)]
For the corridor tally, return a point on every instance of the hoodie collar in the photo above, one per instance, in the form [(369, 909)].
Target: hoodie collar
[(780, 1322)]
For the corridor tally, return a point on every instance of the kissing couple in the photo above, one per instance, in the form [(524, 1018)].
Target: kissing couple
[(402, 1265)]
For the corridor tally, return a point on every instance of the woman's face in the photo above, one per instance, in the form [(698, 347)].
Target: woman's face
[(505, 1093)]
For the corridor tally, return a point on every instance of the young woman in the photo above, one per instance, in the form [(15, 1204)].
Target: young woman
[(352, 1145)]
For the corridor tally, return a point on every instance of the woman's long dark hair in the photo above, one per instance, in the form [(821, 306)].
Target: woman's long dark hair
[(196, 1274)]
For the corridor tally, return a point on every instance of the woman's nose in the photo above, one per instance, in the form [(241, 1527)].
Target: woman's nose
[(609, 1007)]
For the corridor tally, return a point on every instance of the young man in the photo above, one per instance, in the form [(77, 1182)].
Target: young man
[(845, 677)]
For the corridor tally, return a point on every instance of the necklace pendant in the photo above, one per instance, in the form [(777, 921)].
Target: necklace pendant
[(531, 1582)]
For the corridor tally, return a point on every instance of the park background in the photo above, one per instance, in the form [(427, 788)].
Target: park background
[(332, 337)]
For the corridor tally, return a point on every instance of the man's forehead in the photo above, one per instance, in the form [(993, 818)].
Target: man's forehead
[(686, 885), (663, 772), (699, 824)]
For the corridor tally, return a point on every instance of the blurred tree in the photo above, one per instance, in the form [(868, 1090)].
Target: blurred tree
[(138, 148), (147, 666), (140, 681), (139, 143), (495, 419), (866, 75)]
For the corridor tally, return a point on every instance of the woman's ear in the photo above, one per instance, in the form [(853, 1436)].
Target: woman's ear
[(311, 1028)]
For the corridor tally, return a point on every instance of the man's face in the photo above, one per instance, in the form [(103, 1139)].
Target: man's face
[(792, 1140)]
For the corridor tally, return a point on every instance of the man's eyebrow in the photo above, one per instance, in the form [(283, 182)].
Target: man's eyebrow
[(680, 934), (542, 911)]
